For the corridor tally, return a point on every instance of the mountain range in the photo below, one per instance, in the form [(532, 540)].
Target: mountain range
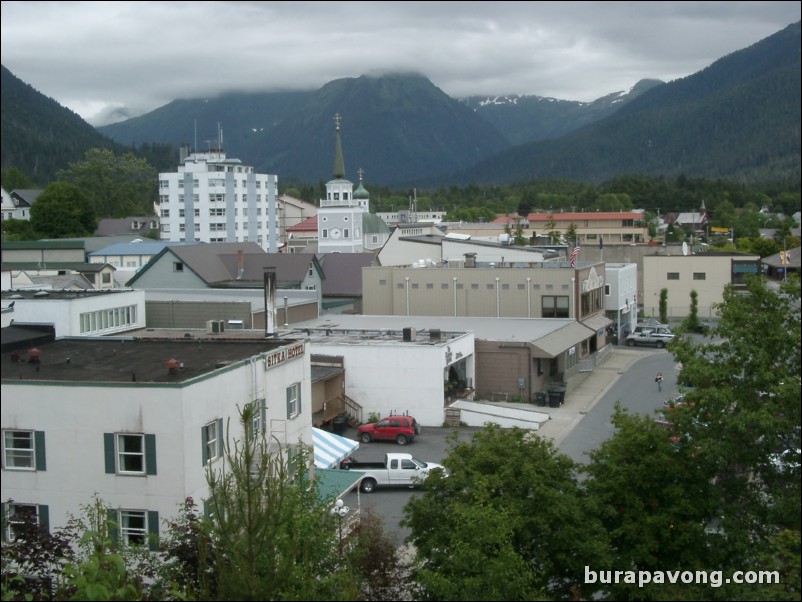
[(738, 118)]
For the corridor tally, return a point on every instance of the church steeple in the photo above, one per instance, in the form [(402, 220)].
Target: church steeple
[(339, 164)]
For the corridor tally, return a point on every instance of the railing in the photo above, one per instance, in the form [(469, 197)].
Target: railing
[(352, 409)]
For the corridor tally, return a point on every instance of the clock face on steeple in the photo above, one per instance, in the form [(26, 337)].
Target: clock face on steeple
[(335, 233)]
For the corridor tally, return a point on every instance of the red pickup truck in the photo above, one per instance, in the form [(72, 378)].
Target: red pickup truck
[(401, 429)]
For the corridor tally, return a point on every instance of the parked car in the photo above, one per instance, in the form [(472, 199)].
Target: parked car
[(401, 429), (650, 323), (397, 469), (659, 337)]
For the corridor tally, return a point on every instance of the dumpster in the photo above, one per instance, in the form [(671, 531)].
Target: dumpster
[(339, 424)]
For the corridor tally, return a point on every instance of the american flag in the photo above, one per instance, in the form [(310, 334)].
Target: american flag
[(574, 253)]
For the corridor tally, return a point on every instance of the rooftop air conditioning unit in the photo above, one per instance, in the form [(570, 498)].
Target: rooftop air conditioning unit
[(215, 326), (408, 334)]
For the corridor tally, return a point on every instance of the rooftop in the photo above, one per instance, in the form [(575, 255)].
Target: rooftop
[(129, 359)]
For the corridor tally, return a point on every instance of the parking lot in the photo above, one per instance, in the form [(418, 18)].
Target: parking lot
[(432, 445)]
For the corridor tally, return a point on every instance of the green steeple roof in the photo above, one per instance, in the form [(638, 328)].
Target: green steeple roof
[(360, 192), (339, 164)]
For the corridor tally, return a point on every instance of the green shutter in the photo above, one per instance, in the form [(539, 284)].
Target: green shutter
[(289, 403), (153, 531), (207, 511), (108, 448), (3, 510), (113, 525), (44, 518), (150, 454), (221, 445), (204, 450), (298, 392), (39, 444)]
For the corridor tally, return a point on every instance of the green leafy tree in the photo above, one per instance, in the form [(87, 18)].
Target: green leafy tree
[(17, 229), (571, 234), (116, 186), (743, 417), (519, 239), (663, 305), (13, 179), (655, 509), (510, 522), (273, 537), (691, 322), (63, 211)]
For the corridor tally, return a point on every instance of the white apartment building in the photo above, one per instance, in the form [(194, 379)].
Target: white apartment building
[(212, 198), (138, 422)]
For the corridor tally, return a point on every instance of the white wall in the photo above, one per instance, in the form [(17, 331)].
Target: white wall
[(74, 418), (65, 314), (401, 377)]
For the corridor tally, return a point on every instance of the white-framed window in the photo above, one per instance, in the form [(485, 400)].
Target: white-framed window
[(23, 450), (130, 454), (15, 515), (293, 400), (136, 527), (212, 439), (259, 418)]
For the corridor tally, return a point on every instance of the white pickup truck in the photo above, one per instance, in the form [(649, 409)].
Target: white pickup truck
[(397, 469)]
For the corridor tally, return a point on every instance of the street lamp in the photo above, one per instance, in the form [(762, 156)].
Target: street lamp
[(340, 510)]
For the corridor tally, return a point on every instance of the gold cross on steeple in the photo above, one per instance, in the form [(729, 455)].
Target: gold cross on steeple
[(337, 119), (361, 173)]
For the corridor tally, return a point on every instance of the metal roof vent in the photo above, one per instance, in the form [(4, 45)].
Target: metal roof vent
[(34, 355), (172, 365)]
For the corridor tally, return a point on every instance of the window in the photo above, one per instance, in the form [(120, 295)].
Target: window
[(16, 517), (293, 400), (429, 285), (136, 527), (259, 418), (24, 450), (672, 276), (700, 276), (106, 277), (212, 439), (606, 290), (178, 266), (345, 233), (130, 454), (554, 307)]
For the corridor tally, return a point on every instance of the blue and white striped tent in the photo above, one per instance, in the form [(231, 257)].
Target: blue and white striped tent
[(331, 449)]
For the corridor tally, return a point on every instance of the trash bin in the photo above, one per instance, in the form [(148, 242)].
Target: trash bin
[(556, 397), (339, 424), (540, 398)]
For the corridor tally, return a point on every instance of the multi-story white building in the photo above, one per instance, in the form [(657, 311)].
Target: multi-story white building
[(139, 422), (215, 199)]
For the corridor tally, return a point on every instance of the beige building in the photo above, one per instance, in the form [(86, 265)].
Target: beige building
[(706, 273), (614, 227), (530, 290)]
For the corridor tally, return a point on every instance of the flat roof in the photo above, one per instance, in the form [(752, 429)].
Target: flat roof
[(128, 359), (491, 329)]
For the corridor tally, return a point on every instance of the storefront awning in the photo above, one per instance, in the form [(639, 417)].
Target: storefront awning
[(597, 322), (331, 449), (563, 339)]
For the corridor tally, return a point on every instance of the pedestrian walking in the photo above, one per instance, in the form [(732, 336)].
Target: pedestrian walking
[(659, 380)]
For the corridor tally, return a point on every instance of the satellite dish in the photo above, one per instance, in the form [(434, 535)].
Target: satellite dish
[(685, 248)]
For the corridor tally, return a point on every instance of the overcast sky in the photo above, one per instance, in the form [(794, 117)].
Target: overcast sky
[(94, 57)]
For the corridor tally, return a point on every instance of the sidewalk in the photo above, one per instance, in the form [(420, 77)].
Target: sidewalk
[(584, 395)]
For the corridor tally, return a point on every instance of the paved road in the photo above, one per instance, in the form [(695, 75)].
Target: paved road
[(637, 392)]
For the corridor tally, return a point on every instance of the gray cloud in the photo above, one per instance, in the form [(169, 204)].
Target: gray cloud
[(101, 57)]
